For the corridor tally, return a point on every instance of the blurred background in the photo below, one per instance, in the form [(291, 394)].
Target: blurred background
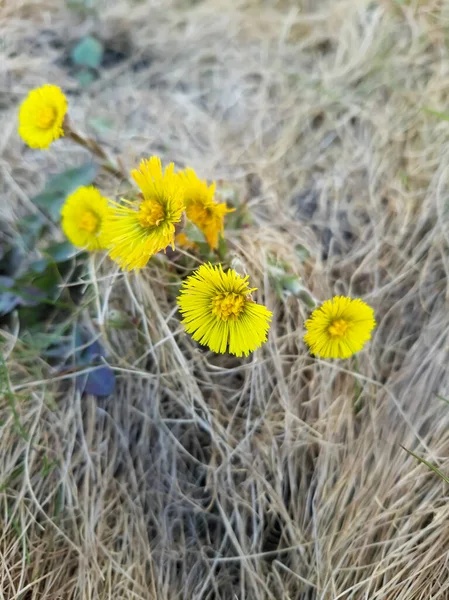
[(191, 476)]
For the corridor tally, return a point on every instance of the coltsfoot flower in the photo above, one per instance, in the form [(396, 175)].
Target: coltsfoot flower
[(218, 311), (339, 328), (202, 209), (41, 116), (138, 229), (83, 216)]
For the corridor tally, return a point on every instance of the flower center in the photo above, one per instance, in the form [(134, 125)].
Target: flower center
[(46, 117), (228, 305), (338, 328), (89, 222), (151, 213)]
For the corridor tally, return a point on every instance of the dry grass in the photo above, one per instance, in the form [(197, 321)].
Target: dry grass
[(279, 476)]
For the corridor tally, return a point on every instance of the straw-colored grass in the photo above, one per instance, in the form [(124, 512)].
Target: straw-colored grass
[(280, 476)]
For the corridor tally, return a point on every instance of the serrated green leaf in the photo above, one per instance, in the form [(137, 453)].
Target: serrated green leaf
[(62, 185), (88, 52)]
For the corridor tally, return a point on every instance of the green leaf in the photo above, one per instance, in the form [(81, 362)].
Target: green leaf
[(62, 185), (61, 251), (48, 466), (292, 283), (8, 299), (222, 248), (118, 319), (5, 389), (30, 228), (84, 7), (38, 266), (85, 77), (88, 52), (442, 398), (101, 124), (307, 299), (48, 281), (302, 253), (101, 381), (71, 179), (428, 464), (11, 261), (51, 202), (436, 113), (193, 233)]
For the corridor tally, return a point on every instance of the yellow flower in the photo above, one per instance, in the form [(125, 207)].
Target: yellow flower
[(41, 116), (141, 228), (201, 208), (83, 217), (339, 328), (183, 241), (218, 311)]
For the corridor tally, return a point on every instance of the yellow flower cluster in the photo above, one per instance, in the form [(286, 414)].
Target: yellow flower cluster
[(217, 306), (133, 230)]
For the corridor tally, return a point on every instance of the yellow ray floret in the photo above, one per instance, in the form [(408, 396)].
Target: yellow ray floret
[(339, 328), (219, 313), (138, 229), (83, 217), (41, 116), (182, 241), (202, 209)]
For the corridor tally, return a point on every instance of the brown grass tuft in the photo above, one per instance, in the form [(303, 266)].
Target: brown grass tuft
[(280, 476)]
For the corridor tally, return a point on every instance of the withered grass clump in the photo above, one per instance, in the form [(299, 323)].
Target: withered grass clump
[(277, 476)]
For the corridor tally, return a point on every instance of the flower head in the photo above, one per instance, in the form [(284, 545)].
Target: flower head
[(339, 328), (218, 311), (202, 209), (41, 116), (83, 217), (141, 228)]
